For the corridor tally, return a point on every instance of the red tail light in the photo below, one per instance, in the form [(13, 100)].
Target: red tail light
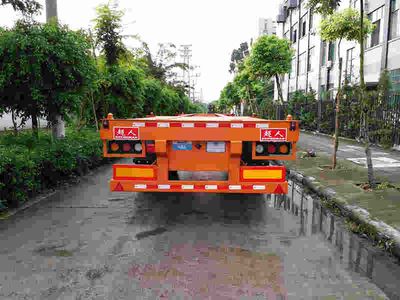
[(150, 147), (126, 147), (271, 148), (265, 149)]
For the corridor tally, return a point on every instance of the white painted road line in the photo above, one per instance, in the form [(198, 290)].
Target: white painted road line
[(378, 162)]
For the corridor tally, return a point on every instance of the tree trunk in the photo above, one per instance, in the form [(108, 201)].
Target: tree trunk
[(58, 128), (58, 125), (94, 112), (280, 97), (337, 117), (35, 127), (365, 108), (278, 84), (14, 121)]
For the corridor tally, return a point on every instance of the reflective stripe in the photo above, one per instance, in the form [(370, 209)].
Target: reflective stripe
[(187, 187), (212, 125), (139, 124), (211, 187), (164, 187), (187, 125), (141, 186), (259, 187), (262, 125), (237, 125), (235, 187), (162, 125)]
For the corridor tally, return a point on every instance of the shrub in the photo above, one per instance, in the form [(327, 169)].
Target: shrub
[(28, 166)]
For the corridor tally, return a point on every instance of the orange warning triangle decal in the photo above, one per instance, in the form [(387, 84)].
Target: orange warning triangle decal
[(118, 187), (279, 190)]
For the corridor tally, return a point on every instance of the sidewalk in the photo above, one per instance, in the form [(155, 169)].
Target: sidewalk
[(386, 162), (374, 213)]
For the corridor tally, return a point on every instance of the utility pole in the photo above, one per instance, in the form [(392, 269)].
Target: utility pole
[(189, 77), (186, 55), (58, 126)]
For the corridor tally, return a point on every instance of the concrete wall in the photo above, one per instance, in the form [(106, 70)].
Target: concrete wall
[(6, 123), (374, 56)]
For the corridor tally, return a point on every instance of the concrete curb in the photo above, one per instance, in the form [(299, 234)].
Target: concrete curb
[(384, 231), (11, 212), (44, 196), (394, 148)]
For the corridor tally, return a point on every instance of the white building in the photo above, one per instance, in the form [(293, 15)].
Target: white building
[(315, 63), (266, 27)]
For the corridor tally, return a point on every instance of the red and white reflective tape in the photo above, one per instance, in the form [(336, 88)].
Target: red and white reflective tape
[(199, 125), (209, 187)]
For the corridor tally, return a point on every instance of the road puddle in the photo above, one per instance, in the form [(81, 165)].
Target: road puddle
[(356, 253), (145, 234)]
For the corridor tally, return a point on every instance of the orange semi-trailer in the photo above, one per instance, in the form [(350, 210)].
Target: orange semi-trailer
[(160, 146)]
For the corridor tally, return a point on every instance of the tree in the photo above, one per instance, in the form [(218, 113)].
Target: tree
[(163, 65), (326, 7), (238, 56), (108, 33), (231, 94), (270, 57), (250, 89), (323, 7), (26, 7), (45, 70), (336, 27)]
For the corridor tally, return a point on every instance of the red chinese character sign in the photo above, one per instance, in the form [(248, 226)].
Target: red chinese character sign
[(126, 133), (274, 134)]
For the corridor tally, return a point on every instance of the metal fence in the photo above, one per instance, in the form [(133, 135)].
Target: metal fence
[(384, 118)]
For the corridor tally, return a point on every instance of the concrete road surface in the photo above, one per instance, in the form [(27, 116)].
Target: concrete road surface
[(87, 243)]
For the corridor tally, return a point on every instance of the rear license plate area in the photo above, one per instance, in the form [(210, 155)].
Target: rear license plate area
[(216, 147)]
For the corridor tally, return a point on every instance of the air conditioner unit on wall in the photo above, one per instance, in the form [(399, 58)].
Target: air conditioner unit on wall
[(280, 18), (292, 3)]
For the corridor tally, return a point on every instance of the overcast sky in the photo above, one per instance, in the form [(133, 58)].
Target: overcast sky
[(213, 28)]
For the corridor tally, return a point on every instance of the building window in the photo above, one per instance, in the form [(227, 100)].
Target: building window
[(303, 26), (311, 22), (331, 52), (375, 18), (349, 63), (394, 23), (323, 50), (310, 58), (294, 33), (302, 63), (375, 33), (394, 96), (293, 70)]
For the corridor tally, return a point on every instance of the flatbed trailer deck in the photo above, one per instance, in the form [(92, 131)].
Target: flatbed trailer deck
[(242, 147)]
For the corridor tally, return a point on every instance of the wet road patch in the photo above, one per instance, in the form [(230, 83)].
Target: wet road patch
[(97, 273), (53, 250), (145, 234), (213, 272)]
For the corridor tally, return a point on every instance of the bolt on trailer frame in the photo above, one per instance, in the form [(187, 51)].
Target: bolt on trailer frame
[(160, 147)]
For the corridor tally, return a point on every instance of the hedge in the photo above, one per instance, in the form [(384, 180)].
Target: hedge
[(28, 166)]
